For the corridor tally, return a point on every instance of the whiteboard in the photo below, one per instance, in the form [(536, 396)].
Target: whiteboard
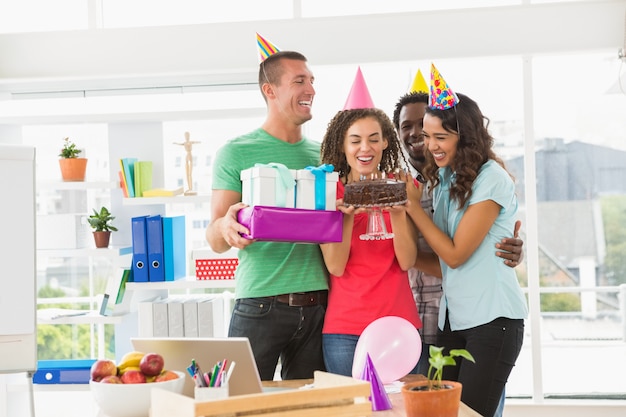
[(18, 302)]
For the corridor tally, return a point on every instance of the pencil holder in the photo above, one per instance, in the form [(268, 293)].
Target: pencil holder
[(211, 393)]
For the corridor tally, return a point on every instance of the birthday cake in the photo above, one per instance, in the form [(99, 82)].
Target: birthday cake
[(375, 193)]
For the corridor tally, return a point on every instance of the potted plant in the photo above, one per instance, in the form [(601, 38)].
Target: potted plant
[(73, 168), (99, 221), (435, 396)]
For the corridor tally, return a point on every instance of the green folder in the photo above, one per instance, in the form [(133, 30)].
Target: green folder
[(143, 177)]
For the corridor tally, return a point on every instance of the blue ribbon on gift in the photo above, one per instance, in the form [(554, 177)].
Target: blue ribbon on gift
[(284, 181), (320, 183)]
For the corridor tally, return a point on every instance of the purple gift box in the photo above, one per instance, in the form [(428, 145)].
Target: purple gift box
[(279, 224)]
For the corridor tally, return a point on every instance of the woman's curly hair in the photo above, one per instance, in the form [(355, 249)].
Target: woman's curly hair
[(473, 149), (333, 144)]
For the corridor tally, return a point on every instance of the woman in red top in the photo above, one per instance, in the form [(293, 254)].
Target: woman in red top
[(368, 278)]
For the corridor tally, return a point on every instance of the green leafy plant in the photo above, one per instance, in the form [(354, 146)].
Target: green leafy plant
[(69, 149), (99, 221), (438, 360)]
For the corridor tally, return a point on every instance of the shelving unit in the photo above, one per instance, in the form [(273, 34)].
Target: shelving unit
[(56, 265), (179, 199)]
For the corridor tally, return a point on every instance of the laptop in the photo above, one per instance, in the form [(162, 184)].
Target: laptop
[(178, 353)]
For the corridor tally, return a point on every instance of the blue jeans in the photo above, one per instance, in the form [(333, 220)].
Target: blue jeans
[(339, 352), (495, 346), (276, 330)]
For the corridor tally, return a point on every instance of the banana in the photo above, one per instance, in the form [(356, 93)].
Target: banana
[(131, 359), (121, 371)]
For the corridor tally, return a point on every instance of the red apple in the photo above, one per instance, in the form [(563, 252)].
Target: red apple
[(133, 377), (166, 376), (102, 368), (111, 379), (151, 364)]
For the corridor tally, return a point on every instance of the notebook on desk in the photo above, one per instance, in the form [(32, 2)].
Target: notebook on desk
[(178, 353)]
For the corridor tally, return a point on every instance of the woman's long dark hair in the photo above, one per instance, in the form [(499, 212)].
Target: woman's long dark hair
[(332, 145), (473, 149)]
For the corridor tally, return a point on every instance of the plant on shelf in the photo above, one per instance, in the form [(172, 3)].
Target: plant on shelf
[(69, 149), (73, 168), (434, 395), (99, 221)]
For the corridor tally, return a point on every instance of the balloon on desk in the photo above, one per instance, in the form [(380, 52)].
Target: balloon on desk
[(394, 346)]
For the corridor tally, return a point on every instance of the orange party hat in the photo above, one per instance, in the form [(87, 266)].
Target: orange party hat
[(266, 48), (359, 96), (441, 95), (419, 84)]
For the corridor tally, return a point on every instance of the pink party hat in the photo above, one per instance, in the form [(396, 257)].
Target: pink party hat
[(419, 84), (266, 48), (359, 96), (379, 398), (441, 96)]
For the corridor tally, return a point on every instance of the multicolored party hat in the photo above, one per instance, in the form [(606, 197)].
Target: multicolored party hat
[(419, 84), (266, 48), (441, 96), (359, 96), (378, 397)]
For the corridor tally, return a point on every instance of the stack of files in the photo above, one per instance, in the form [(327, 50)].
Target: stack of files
[(135, 177), (159, 248), (113, 302), (193, 316)]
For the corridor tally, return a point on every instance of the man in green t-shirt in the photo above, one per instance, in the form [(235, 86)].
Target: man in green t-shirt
[(281, 288)]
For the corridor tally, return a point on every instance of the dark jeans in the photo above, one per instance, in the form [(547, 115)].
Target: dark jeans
[(495, 346), (339, 353), (277, 330)]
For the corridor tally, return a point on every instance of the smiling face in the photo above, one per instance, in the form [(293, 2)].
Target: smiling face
[(363, 146), (410, 124), (292, 98), (441, 144)]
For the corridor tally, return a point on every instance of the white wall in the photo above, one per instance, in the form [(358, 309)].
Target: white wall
[(199, 54)]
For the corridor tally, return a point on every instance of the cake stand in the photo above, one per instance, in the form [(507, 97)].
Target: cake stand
[(376, 229)]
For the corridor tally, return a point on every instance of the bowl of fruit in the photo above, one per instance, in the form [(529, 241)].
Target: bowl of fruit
[(125, 389)]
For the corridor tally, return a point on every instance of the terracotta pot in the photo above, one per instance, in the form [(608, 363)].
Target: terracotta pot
[(73, 169), (419, 401), (102, 239)]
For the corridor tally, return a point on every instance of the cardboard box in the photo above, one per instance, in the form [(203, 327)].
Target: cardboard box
[(62, 231), (313, 196), (278, 224), (263, 186)]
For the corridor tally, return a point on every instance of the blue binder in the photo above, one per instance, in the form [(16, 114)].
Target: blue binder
[(64, 371), (140, 249), (154, 233), (175, 255)]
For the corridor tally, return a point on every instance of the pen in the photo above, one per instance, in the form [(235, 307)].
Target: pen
[(230, 371), (216, 369), (220, 375)]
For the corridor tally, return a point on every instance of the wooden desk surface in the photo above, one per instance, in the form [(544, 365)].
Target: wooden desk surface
[(397, 402)]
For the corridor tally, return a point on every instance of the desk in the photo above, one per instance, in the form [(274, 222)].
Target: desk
[(396, 399)]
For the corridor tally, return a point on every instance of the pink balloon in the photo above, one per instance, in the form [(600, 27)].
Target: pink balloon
[(394, 346)]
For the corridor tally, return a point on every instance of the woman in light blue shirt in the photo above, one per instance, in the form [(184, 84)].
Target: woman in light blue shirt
[(482, 308)]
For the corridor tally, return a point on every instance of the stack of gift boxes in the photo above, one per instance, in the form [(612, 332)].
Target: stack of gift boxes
[(291, 205), (284, 205)]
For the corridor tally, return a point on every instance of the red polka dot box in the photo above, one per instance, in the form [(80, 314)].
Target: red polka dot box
[(215, 266)]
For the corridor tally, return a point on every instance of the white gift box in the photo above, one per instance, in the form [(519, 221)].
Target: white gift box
[(305, 190), (262, 186)]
